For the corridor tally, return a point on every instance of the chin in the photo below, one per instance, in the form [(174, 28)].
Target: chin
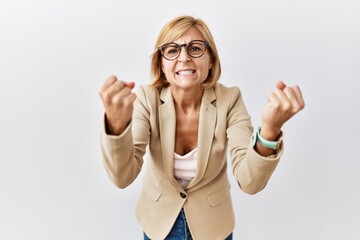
[(187, 84)]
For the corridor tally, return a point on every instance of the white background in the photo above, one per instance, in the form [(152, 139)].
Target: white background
[(54, 56)]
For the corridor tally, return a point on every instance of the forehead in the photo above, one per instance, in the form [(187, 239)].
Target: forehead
[(189, 35)]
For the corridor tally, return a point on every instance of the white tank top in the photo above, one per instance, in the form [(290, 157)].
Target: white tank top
[(185, 167)]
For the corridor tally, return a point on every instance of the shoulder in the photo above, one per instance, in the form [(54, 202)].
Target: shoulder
[(146, 90), (147, 97), (229, 94), (146, 93)]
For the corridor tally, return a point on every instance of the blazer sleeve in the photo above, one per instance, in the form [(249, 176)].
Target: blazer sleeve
[(251, 170), (123, 155)]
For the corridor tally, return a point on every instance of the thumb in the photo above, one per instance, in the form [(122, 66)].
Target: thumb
[(129, 84), (280, 85)]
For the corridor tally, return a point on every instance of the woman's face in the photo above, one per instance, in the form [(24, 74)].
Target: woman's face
[(186, 72)]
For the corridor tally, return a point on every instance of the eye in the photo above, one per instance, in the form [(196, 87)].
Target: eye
[(195, 48), (171, 50)]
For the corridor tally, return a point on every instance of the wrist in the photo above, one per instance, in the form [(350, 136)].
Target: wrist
[(269, 133), (113, 129), (266, 142)]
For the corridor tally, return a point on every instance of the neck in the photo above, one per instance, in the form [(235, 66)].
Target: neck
[(187, 101)]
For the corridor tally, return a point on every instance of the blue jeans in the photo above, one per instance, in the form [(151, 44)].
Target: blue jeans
[(180, 230)]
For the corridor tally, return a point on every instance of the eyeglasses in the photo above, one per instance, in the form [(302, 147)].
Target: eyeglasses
[(195, 48)]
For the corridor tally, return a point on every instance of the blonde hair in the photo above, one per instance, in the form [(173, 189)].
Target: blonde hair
[(173, 30)]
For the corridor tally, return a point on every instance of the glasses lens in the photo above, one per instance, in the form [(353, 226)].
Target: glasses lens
[(196, 49), (170, 51)]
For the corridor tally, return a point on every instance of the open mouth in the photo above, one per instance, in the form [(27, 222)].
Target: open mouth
[(185, 72)]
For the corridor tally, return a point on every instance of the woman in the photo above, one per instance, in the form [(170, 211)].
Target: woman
[(188, 120)]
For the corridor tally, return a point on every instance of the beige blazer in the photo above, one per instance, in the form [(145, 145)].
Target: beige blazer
[(224, 124)]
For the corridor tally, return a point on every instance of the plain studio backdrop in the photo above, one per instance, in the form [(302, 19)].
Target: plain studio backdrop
[(55, 55)]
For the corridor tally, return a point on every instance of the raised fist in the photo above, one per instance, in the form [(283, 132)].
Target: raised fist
[(118, 101), (283, 103)]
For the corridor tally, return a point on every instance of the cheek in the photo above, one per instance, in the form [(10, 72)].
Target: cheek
[(207, 66), (163, 69), (166, 67), (207, 63), (162, 66)]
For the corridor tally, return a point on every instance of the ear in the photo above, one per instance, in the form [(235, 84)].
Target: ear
[(210, 66)]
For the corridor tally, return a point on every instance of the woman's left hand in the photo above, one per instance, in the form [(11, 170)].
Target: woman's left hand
[(283, 103)]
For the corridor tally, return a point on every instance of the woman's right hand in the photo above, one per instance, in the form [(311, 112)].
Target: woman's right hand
[(118, 101)]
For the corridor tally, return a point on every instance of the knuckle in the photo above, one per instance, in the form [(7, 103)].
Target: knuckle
[(275, 104), (278, 106), (121, 85), (106, 96), (128, 101), (298, 106), (286, 106), (115, 100), (126, 91)]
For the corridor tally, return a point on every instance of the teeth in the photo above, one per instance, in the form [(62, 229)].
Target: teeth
[(185, 72)]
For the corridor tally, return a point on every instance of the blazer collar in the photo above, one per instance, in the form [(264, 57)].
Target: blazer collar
[(207, 121)]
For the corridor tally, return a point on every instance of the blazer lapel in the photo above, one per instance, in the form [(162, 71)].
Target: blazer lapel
[(167, 119), (207, 122)]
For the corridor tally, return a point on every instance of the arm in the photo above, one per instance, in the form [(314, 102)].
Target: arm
[(253, 166), (118, 157), (251, 170), (124, 136), (283, 103)]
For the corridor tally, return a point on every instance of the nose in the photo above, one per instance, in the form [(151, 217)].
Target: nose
[(184, 56)]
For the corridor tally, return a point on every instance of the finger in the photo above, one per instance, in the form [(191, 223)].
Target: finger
[(113, 89), (109, 86), (124, 101), (274, 100), (108, 82), (280, 85), (299, 96), (131, 97), (125, 91), (118, 85), (281, 94), (295, 98), (290, 94), (284, 102)]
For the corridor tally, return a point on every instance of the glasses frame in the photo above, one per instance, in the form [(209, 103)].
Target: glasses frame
[(180, 46)]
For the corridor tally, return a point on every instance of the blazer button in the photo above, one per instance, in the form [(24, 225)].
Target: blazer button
[(183, 195)]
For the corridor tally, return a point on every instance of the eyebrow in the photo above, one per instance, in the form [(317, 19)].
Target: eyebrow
[(188, 42)]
